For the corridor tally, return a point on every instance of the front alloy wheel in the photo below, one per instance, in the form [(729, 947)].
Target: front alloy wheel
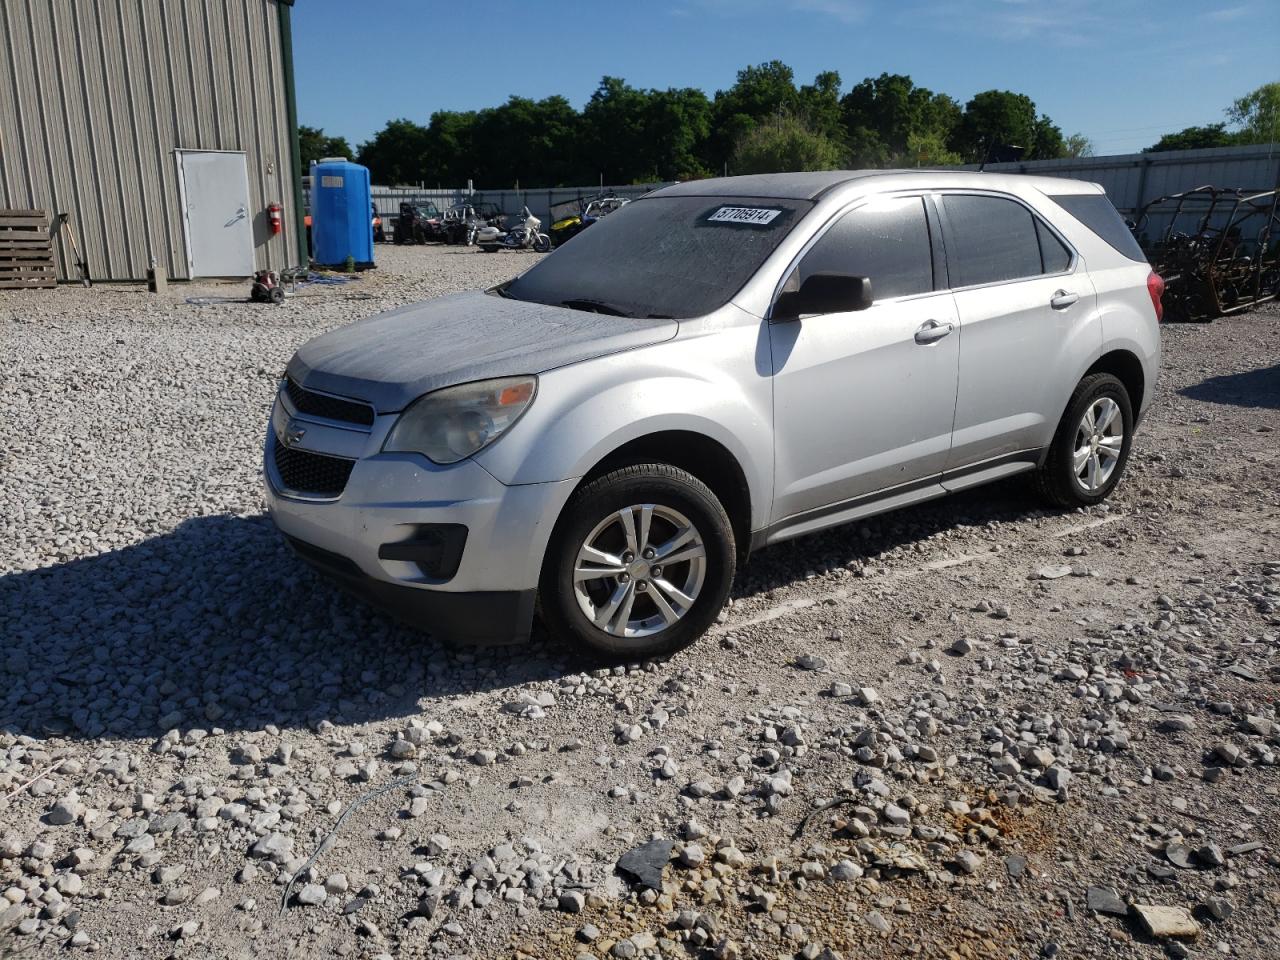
[(640, 570), (640, 563)]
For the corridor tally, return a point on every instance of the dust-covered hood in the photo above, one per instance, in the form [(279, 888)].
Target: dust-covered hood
[(393, 358)]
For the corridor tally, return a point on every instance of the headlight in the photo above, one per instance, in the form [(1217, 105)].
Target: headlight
[(454, 423)]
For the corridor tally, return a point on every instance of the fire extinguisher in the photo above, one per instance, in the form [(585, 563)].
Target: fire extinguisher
[(274, 213)]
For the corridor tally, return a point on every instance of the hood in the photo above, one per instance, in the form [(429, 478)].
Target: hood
[(393, 358)]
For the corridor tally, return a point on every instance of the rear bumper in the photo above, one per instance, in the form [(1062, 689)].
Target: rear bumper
[(487, 616)]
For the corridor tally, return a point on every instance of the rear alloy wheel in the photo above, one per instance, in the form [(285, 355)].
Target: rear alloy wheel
[(1091, 446), (640, 564)]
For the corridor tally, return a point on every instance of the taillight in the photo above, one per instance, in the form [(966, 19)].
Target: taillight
[(1155, 287)]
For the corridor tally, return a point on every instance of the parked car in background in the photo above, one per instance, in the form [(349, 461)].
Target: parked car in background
[(463, 221), (419, 222), (729, 364), (568, 227)]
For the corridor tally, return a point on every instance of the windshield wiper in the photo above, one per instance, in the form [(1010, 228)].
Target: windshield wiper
[(594, 306)]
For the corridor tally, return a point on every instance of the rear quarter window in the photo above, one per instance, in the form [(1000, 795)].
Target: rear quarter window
[(1096, 212)]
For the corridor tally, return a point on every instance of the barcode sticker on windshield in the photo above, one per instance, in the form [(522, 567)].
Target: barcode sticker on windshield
[(756, 216)]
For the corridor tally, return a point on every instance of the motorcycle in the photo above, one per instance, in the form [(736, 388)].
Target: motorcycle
[(524, 235)]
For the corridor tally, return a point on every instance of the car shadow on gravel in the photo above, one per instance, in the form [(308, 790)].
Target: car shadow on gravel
[(862, 542), (1253, 388), (218, 625)]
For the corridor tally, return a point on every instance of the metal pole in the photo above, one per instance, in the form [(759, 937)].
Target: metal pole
[(283, 8)]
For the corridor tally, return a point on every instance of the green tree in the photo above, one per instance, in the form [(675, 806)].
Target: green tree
[(1077, 145), (992, 119), (397, 153), (315, 145), (450, 148), (1257, 114), (523, 141), (1046, 140), (677, 122), (1194, 138), (785, 143), (613, 131), (890, 121), (819, 105), (928, 149), (759, 93)]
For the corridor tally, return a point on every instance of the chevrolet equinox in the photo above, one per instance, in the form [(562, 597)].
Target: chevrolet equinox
[(719, 366)]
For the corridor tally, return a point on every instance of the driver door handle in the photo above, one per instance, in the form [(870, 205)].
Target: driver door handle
[(931, 331), (1062, 299)]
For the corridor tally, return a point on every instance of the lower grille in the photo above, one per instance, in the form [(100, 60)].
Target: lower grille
[(311, 473)]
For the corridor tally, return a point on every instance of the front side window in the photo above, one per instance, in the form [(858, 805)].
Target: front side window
[(990, 239), (887, 241)]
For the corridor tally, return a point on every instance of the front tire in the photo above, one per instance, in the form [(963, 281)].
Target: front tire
[(1091, 445), (640, 564)]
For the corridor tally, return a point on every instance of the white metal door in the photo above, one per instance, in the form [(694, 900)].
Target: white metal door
[(214, 187)]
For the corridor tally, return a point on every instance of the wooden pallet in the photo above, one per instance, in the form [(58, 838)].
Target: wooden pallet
[(26, 250)]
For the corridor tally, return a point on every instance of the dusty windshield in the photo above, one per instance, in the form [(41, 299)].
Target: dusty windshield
[(662, 256)]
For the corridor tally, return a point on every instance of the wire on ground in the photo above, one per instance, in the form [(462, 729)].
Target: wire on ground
[(326, 842)]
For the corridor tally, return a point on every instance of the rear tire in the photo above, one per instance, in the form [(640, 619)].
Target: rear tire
[(1091, 445), (606, 587)]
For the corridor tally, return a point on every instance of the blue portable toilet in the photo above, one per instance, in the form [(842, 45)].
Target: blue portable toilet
[(341, 213)]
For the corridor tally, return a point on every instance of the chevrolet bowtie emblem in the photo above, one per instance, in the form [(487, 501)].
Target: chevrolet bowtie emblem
[(293, 434)]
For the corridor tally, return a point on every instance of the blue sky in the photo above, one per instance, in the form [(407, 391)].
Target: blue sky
[(1120, 71)]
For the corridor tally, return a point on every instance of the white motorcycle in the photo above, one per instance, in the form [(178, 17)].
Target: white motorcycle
[(524, 235)]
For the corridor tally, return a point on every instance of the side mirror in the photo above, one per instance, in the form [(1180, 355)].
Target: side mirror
[(824, 293)]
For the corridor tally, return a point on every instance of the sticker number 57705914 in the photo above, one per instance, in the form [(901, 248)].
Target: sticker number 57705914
[(757, 216)]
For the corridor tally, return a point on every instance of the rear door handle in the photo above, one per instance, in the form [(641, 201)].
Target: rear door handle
[(1062, 299), (931, 331)]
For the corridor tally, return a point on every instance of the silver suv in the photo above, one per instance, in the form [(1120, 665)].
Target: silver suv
[(716, 367)]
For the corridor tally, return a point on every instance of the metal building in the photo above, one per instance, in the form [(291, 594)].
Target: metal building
[(162, 129)]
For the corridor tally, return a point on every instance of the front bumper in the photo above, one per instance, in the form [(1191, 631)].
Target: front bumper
[(388, 500), (491, 616)]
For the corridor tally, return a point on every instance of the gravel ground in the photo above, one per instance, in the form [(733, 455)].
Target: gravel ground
[(977, 728)]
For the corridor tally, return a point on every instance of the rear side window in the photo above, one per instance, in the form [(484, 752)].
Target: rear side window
[(1054, 255), (989, 239), (887, 241), (1095, 211)]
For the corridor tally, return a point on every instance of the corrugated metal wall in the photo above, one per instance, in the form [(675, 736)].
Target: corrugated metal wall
[(1130, 180), (1133, 180), (97, 95)]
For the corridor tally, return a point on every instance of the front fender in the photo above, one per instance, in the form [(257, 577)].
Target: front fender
[(708, 385)]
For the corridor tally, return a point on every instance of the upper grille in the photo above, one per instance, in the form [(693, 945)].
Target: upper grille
[(332, 408), (312, 473)]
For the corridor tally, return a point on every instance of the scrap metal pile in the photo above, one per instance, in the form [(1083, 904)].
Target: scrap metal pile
[(1218, 250)]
